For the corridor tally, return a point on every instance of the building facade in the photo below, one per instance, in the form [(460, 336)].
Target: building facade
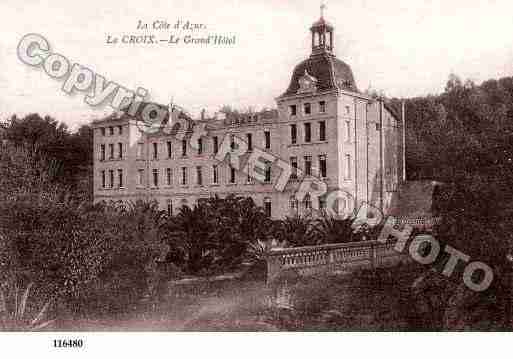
[(323, 132)]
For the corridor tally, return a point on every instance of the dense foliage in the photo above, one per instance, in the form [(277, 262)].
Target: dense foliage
[(105, 258), (65, 159), (463, 137)]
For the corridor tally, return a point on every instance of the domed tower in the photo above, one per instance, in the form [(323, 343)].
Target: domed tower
[(336, 138), (329, 72)]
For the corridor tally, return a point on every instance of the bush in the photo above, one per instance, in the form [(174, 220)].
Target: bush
[(90, 259)]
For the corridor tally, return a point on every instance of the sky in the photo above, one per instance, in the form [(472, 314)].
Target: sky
[(404, 48)]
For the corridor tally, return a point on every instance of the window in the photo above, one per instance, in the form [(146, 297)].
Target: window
[(169, 176), (111, 131), (250, 178), (155, 150), (268, 172), (155, 177), (216, 144), (200, 146), (307, 202), (140, 150), (249, 139), (215, 179), (140, 177), (308, 165), (322, 106), (308, 108), (293, 110), (322, 166), (232, 142), (184, 148), (111, 151), (348, 131), (232, 174), (322, 130), (378, 126), (103, 179), (111, 178), (308, 132), (267, 206), (348, 110), (267, 136), (169, 207), (184, 176), (293, 134), (102, 152), (322, 202), (120, 178), (120, 150), (293, 163), (183, 202), (199, 176), (120, 130), (293, 204), (348, 166), (102, 130), (169, 149)]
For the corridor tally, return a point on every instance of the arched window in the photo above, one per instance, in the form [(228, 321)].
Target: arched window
[(183, 202)]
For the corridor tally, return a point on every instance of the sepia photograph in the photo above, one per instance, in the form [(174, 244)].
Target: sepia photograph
[(249, 166)]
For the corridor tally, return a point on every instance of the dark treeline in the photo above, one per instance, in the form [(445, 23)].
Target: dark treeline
[(66, 158), (464, 137)]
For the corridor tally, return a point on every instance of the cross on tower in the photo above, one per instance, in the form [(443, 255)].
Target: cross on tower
[(322, 10)]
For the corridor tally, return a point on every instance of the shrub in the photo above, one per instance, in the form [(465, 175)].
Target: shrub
[(90, 258), (13, 309)]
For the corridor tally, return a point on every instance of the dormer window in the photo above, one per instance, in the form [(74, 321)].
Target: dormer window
[(307, 83)]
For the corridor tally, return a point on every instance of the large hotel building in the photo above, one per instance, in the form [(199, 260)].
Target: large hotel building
[(323, 127)]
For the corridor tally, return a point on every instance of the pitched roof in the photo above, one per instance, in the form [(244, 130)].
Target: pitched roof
[(124, 113)]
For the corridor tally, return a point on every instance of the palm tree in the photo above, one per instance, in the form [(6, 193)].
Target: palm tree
[(216, 233), (296, 231), (333, 230), (190, 234)]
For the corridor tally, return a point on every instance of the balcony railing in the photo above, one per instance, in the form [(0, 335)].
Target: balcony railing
[(333, 258)]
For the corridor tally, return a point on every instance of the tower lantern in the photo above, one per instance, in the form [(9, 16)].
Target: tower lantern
[(322, 35)]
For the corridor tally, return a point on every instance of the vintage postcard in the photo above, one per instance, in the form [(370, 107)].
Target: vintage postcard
[(255, 166)]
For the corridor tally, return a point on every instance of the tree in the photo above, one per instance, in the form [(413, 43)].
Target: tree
[(67, 158), (333, 230), (297, 231)]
